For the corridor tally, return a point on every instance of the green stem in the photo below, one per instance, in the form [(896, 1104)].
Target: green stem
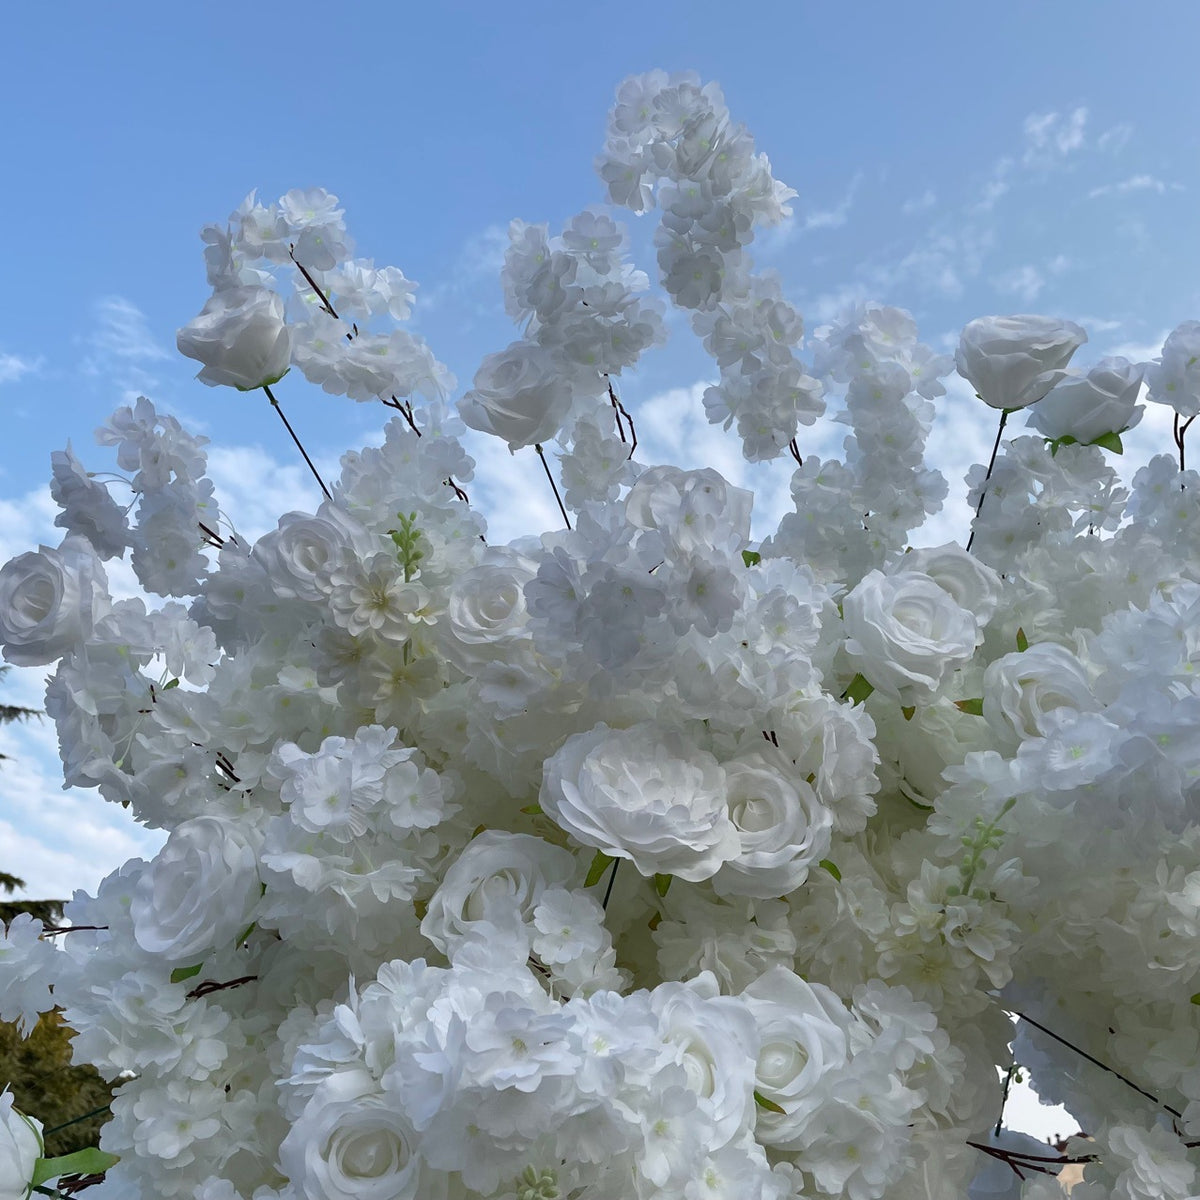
[(288, 426)]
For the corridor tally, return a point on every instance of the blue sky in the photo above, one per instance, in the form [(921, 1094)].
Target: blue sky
[(955, 159)]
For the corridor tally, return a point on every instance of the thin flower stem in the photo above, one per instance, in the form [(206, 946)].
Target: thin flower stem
[(1181, 429), (312, 283), (561, 507), (288, 426), (991, 463), (619, 410), (795, 452), (611, 880), (1103, 1066)]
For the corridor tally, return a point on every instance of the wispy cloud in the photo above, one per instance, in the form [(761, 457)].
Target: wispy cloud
[(1116, 138), (1026, 282), (12, 367), (917, 204), (1053, 136), (833, 217), (121, 348), (480, 259), (1135, 183), (122, 332)]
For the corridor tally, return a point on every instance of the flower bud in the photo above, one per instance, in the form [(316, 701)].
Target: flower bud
[(1013, 362), (241, 338)]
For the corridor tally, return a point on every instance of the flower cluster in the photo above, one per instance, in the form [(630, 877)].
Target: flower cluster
[(630, 860)]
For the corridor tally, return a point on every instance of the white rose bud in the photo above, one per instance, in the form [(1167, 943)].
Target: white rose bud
[(518, 395), (49, 602), (241, 338), (20, 1148), (1103, 401), (1013, 362), (645, 795), (905, 635)]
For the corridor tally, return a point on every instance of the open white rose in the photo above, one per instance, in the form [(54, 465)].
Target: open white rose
[(50, 601), (1021, 690), (643, 794), (1103, 401), (353, 1143), (20, 1148), (973, 584), (905, 634), (518, 395), (1012, 362), (782, 827), (199, 891), (241, 338)]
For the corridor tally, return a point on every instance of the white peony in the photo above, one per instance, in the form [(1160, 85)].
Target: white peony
[(644, 794), (241, 337)]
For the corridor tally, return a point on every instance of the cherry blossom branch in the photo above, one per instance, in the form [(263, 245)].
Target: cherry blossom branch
[(619, 411), (1179, 432)]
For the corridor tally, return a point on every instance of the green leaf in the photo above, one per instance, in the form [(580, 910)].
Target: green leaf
[(1196, 998), (831, 867), (171, 683), (89, 1161), (769, 1105), (1110, 441), (662, 883), (1057, 443), (1022, 641), (241, 941), (751, 558), (532, 810), (858, 690), (908, 711), (597, 869), (181, 973), (973, 706)]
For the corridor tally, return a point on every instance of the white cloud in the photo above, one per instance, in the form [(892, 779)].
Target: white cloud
[(1114, 139), (1023, 282), (1051, 136), (480, 259), (1135, 183), (12, 367), (122, 349), (122, 332), (916, 204), (820, 218)]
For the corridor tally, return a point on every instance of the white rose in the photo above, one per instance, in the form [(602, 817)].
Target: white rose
[(198, 892), (300, 556), (49, 602), (1013, 362), (485, 610), (1021, 689), (802, 1027), (20, 1148), (905, 634), (782, 827), (352, 1142), (645, 795), (499, 878), (974, 585), (519, 395), (1103, 401), (241, 338)]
